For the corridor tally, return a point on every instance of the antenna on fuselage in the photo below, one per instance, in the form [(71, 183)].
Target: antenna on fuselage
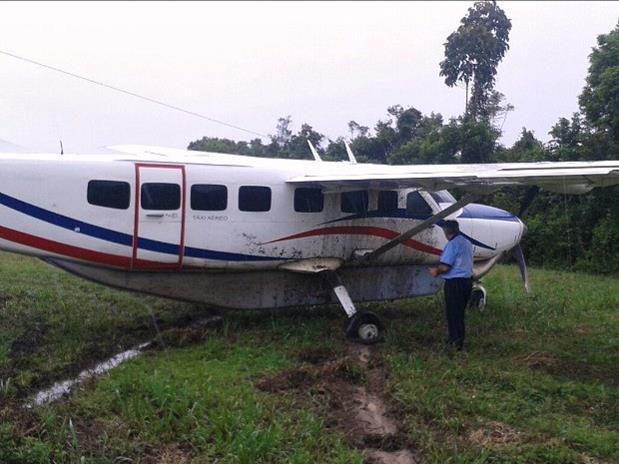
[(61, 148), (314, 152), (351, 156)]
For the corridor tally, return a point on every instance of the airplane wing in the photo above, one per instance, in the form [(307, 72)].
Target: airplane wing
[(560, 177)]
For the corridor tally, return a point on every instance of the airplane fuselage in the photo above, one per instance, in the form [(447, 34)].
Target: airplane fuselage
[(221, 233)]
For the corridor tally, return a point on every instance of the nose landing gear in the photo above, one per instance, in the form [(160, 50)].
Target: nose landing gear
[(364, 327), (479, 297)]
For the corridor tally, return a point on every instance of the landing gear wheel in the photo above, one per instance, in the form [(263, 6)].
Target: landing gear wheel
[(365, 328), (478, 299)]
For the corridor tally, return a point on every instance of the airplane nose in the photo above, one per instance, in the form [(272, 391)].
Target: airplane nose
[(495, 227), (521, 230)]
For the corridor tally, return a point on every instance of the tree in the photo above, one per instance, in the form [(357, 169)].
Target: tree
[(296, 146), (355, 127), (497, 109), (478, 141), (474, 51), (336, 150), (407, 123), (526, 148), (600, 97), (220, 145), (283, 132), (567, 139), (432, 143)]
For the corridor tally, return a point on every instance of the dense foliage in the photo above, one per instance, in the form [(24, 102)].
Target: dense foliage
[(564, 231)]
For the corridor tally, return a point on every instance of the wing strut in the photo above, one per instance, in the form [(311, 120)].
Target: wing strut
[(351, 155), (465, 200), (314, 152)]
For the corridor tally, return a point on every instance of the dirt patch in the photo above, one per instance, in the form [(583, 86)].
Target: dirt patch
[(322, 377), (538, 360), (287, 380), (353, 385), (590, 459), (29, 341), (396, 457), (315, 355), (170, 454), (191, 334), (495, 433)]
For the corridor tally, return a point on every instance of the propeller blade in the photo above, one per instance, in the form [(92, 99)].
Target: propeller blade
[(518, 255)]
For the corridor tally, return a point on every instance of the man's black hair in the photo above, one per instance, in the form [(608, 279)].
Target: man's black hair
[(451, 227)]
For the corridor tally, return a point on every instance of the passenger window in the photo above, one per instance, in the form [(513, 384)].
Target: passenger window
[(308, 200), (355, 202), (443, 196), (416, 206), (387, 200), (253, 198), (108, 193), (160, 196), (207, 197)]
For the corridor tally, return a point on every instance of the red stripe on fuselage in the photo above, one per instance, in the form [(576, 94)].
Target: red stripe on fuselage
[(362, 230), (63, 249), (83, 254)]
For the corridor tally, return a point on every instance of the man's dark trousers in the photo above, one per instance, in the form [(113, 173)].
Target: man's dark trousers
[(457, 294)]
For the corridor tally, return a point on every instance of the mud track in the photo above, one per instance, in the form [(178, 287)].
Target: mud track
[(355, 404)]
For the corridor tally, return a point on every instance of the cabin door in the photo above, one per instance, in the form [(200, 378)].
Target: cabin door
[(158, 241)]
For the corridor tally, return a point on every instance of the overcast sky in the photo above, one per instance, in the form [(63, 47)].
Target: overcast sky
[(324, 63)]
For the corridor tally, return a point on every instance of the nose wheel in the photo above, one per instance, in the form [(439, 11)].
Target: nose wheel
[(365, 327), (479, 298)]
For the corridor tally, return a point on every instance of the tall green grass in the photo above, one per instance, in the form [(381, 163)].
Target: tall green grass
[(539, 382), (546, 364)]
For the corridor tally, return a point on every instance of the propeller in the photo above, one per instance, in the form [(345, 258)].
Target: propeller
[(518, 255)]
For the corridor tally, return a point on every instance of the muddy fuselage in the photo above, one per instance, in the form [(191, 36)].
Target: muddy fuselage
[(220, 232)]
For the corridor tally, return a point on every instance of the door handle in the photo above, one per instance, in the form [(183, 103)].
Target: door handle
[(154, 215)]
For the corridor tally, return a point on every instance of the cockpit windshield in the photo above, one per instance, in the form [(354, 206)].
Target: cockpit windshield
[(443, 196)]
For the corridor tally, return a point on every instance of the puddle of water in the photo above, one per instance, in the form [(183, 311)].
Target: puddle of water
[(61, 389)]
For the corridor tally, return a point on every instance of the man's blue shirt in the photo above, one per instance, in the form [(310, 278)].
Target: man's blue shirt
[(458, 255)]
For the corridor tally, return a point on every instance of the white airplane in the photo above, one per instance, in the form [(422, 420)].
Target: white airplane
[(243, 232)]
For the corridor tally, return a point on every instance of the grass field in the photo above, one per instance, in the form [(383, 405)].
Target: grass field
[(539, 382)]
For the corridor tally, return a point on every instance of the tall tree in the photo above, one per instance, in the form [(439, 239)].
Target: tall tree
[(474, 51), (600, 98), (283, 132)]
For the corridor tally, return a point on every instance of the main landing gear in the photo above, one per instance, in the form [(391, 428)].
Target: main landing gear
[(364, 327)]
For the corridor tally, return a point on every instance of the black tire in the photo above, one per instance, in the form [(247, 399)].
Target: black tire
[(365, 328), (478, 299)]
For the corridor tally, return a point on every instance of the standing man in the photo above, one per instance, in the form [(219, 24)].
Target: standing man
[(456, 268)]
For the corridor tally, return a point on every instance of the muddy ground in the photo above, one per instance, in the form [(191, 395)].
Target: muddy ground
[(353, 388)]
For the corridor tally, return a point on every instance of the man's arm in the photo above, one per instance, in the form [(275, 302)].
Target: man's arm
[(447, 259), (442, 268)]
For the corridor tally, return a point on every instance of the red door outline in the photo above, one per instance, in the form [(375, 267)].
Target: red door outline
[(145, 264)]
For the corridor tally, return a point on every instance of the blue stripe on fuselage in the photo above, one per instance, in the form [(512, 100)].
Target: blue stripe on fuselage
[(476, 211), (120, 238), (66, 222)]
